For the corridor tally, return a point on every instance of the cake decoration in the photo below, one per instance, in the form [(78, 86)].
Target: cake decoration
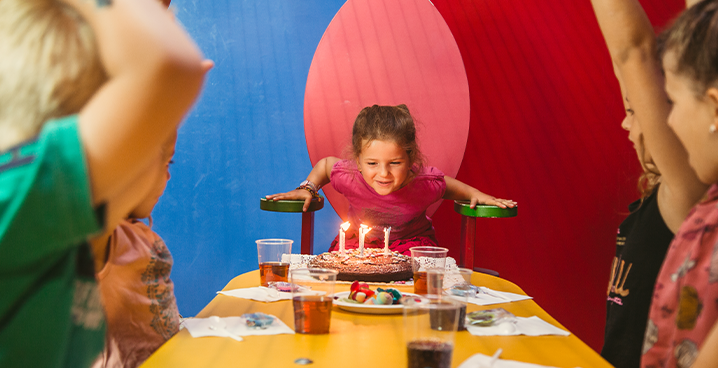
[(374, 266)]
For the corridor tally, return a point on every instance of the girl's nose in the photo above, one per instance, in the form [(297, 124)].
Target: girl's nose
[(626, 123)]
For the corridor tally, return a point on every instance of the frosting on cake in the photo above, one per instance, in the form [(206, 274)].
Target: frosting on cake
[(374, 266)]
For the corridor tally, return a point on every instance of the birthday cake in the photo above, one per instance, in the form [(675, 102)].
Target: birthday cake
[(374, 266)]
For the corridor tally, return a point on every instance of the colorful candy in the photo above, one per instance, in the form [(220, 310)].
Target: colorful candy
[(362, 294)]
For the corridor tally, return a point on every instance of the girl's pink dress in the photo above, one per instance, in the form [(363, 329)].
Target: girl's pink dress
[(403, 210)]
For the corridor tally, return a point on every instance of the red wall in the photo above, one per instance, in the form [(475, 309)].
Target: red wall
[(545, 131)]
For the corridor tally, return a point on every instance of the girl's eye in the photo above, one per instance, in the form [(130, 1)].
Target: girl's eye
[(630, 112), (171, 162), (670, 102), (396, 163), (371, 163)]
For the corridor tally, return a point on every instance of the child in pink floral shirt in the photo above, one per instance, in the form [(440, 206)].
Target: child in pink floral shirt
[(684, 308), (135, 286)]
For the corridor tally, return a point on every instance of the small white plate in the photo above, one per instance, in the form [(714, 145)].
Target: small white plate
[(368, 308)]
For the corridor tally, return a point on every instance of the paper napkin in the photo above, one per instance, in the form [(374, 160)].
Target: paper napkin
[(232, 327), (489, 296), (480, 360), (529, 326), (259, 293), (264, 294)]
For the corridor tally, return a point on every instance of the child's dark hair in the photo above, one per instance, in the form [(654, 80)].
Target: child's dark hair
[(387, 123), (693, 38)]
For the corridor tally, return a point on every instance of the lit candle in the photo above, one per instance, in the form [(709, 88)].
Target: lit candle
[(344, 227), (387, 230), (363, 229)]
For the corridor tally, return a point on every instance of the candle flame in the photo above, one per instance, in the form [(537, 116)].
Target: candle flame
[(345, 226)]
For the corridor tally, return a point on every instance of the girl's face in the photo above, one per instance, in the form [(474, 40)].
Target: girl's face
[(144, 209), (691, 118), (635, 134), (384, 166)]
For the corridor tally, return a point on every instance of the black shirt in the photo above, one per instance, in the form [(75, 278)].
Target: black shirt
[(641, 246)]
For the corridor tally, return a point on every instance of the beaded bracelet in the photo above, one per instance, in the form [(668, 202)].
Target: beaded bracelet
[(309, 187)]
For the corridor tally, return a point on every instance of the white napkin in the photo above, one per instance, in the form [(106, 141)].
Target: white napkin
[(531, 326), (259, 293), (264, 294), (489, 296), (232, 327), (480, 361)]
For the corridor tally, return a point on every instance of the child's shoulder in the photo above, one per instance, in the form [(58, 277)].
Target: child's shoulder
[(345, 166), (429, 172), (135, 229)]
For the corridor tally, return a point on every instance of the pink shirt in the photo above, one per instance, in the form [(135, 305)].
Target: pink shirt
[(137, 294), (685, 299), (404, 210)]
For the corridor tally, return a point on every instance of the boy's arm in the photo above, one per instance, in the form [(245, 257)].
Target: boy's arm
[(631, 42), (319, 176), (456, 190), (155, 72)]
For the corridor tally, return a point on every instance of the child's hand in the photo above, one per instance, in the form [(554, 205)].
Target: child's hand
[(483, 198), (296, 194)]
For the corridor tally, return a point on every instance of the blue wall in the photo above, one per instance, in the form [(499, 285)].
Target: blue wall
[(243, 139)]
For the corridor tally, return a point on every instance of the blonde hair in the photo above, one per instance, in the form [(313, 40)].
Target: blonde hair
[(49, 68)]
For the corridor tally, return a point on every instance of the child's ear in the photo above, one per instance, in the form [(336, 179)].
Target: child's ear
[(712, 95)]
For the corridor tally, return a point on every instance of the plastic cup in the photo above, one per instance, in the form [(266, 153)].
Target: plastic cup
[(430, 326), (271, 267), (424, 259), (435, 282), (464, 292), (312, 297)]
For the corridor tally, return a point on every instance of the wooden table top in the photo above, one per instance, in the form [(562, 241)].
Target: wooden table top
[(361, 340)]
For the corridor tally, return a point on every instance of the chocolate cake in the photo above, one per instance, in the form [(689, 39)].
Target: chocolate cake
[(373, 267)]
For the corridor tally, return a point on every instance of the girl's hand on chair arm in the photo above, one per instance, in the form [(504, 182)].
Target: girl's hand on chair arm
[(296, 194), (478, 197)]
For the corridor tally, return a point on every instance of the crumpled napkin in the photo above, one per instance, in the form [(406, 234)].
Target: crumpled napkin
[(259, 293), (489, 296), (480, 360), (529, 326), (232, 327)]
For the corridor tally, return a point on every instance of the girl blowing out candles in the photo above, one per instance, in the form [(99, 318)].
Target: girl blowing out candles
[(386, 182)]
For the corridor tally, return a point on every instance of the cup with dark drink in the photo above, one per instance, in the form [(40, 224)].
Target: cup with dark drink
[(312, 298), (430, 326), (435, 282), (271, 267), (424, 259)]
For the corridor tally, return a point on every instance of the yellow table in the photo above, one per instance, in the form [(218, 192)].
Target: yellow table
[(360, 340)]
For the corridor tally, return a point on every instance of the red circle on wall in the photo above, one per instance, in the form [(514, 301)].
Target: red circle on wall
[(387, 52)]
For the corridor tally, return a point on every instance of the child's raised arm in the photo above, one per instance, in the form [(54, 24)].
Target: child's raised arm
[(632, 44), (319, 177), (155, 73), (458, 191)]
